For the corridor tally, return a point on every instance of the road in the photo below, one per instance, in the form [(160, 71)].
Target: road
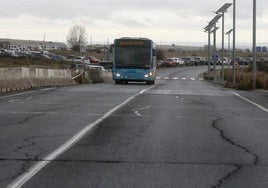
[(180, 132)]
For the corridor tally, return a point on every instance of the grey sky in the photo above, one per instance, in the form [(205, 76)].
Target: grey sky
[(162, 21)]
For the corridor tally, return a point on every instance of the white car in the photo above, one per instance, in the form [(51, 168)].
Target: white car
[(81, 59)]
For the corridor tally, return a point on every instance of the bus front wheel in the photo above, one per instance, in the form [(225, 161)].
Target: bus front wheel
[(150, 82)]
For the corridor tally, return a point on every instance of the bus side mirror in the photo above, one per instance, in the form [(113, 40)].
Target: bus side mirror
[(154, 52)]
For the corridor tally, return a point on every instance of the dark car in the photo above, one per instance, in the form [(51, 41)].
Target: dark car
[(242, 61), (108, 65)]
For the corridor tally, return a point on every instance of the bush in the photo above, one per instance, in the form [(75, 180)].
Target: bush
[(262, 66), (244, 79), (261, 80)]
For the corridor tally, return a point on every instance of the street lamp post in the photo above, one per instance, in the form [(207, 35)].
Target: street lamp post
[(222, 10), (234, 32), (254, 44), (208, 30), (228, 33), (212, 24), (214, 49)]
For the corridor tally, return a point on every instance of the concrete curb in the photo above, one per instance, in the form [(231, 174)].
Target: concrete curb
[(23, 84), (23, 78)]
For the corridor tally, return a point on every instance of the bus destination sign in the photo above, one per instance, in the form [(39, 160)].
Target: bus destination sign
[(132, 43)]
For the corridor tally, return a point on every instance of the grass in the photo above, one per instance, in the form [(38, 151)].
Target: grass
[(244, 79)]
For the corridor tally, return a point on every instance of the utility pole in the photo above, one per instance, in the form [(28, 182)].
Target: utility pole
[(254, 45), (234, 32)]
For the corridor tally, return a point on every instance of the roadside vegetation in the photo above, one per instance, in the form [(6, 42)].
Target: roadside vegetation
[(244, 78)]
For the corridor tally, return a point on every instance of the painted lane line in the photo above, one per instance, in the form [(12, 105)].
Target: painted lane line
[(21, 180), (24, 93), (251, 102), (137, 110), (18, 94)]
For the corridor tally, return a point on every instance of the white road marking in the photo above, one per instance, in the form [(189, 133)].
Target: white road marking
[(176, 78), (137, 110), (18, 94), (21, 180), (28, 92), (251, 102), (47, 89)]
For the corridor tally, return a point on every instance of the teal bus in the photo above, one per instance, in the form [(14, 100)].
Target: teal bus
[(134, 60)]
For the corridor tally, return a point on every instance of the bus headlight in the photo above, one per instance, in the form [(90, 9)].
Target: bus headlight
[(117, 74), (149, 74)]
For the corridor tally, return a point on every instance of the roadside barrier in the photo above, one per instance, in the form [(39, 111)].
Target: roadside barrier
[(22, 78)]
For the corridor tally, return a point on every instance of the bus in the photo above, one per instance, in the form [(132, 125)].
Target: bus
[(134, 60)]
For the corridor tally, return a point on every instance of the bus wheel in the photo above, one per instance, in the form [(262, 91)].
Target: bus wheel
[(118, 82), (150, 82)]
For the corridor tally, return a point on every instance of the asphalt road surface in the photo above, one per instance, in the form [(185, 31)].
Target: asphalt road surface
[(180, 132)]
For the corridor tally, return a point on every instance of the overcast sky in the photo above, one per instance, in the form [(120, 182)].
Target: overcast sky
[(176, 21)]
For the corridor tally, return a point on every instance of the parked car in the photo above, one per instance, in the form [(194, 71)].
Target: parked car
[(180, 61), (170, 62), (226, 61), (198, 60), (107, 65), (93, 59), (189, 61), (80, 59), (159, 63), (78, 67), (242, 61)]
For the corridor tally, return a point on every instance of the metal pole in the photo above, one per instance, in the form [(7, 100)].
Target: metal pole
[(229, 50), (254, 45), (209, 53), (234, 29), (222, 58), (214, 51)]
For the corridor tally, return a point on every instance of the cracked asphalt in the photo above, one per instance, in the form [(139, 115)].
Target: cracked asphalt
[(180, 133)]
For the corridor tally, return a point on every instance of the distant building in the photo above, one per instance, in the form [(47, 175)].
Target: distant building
[(21, 45)]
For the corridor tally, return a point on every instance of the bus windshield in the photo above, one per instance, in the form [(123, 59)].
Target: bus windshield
[(134, 57)]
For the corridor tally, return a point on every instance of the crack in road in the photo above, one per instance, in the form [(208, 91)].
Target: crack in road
[(28, 142), (28, 118), (238, 167)]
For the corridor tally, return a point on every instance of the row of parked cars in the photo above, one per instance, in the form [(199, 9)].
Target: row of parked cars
[(47, 55), (197, 61), (78, 62), (182, 61)]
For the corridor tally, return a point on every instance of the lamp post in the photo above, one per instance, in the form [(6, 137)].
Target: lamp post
[(228, 33), (254, 44), (214, 50), (222, 10), (208, 30), (234, 32), (213, 24)]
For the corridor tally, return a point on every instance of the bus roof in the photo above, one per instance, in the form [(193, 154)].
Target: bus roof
[(134, 38)]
